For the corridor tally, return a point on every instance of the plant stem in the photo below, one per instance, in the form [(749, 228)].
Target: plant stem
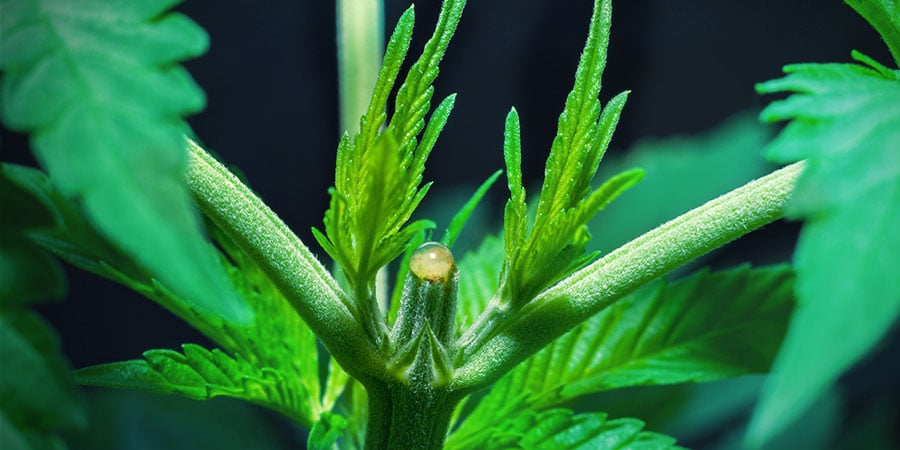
[(302, 279), (403, 418), (586, 292), (360, 40)]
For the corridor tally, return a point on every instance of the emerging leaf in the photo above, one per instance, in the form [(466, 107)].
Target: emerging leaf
[(702, 328), (379, 171), (845, 120), (554, 245)]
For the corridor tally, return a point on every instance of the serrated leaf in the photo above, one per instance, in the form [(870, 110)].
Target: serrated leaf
[(562, 429), (554, 245), (202, 374), (480, 279), (884, 16), (688, 169), (702, 328), (98, 88), (378, 179), (845, 120), (276, 342)]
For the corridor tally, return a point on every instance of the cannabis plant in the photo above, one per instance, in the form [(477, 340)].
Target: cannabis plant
[(393, 340)]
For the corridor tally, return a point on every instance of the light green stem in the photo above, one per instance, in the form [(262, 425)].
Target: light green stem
[(302, 279), (578, 297), (360, 40)]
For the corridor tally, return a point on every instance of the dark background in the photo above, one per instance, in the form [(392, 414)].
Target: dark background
[(270, 79)]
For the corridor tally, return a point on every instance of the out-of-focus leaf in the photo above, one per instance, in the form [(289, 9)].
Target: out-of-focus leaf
[(37, 397), (845, 121), (326, 432), (98, 87), (478, 280)]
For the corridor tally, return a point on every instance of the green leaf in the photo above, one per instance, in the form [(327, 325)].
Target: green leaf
[(379, 172), (37, 398), (689, 169), (326, 432), (202, 374), (562, 429), (27, 273), (884, 16), (845, 121), (702, 328), (100, 92), (480, 280), (555, 244), (277, 351)]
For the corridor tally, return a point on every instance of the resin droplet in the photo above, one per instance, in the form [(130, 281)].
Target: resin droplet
[(432, 261)]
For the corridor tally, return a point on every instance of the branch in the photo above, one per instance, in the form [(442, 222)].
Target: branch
[(307, 285), (586, 292)]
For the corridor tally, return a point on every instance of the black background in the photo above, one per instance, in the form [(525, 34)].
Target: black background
[(270, 79)]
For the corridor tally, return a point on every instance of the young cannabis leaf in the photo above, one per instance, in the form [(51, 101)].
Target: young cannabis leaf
[(554, 246), (379, 171), (706, 327), (99, 88), (845, 120)]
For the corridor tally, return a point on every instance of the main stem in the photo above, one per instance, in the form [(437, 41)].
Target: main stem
[(402, 417)]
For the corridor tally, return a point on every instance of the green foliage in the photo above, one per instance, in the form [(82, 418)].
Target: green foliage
[(845, 121), (37, 397), (554, 245), (98, 88), (561, 429), (273, 362), (884, 16), (379, 172), (702, 328)]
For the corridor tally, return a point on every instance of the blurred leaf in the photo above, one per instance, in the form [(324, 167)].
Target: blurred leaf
[(845, 120), (98, 87), (326, 432), (479, 279), (37, 397), (681, 173), (561, 429), (701, 328)]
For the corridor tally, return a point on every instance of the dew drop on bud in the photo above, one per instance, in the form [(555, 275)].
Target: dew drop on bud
[(432, 261)]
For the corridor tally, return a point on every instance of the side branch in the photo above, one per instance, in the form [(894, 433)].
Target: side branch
[(300, 277), (586, 292)]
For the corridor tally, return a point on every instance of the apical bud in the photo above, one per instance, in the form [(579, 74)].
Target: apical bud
[(429, 295)]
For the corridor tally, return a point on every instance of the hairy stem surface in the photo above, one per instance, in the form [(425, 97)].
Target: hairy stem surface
[(522, 333), (302, 279)]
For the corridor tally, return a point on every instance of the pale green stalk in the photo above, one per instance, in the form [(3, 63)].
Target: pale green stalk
[(360, 41)]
